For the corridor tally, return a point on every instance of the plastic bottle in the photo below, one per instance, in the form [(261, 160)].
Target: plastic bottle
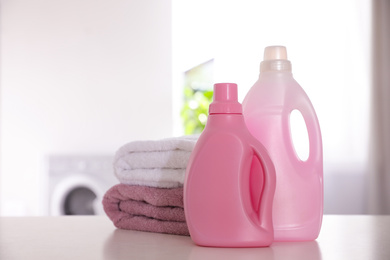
[(230, 180), (298, 202)]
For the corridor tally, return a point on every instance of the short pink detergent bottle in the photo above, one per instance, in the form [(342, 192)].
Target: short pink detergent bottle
[(298, 202), (230, 180)]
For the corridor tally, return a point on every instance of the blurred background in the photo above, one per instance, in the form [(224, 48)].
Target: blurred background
[(81, 78)]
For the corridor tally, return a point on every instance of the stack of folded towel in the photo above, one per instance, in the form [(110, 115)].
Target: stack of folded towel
[(150, 194)]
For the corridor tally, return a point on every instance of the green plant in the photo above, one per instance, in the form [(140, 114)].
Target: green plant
[(195, 109)]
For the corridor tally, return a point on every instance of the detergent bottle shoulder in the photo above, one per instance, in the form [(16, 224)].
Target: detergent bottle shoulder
[(230, 180), (267, 108)]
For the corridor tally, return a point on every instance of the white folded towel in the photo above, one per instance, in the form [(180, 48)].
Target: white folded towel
[(160, 163)]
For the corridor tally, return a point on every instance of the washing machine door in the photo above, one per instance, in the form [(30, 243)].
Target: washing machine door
[(77, 195)]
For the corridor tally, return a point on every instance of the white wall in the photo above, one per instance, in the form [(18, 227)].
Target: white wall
[(78, 77), (83, 77)]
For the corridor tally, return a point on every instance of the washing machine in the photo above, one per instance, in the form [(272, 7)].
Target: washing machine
[(77, 184)]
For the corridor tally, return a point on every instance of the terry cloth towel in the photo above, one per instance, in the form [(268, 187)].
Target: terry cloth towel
[(160, 163), (146, 209)]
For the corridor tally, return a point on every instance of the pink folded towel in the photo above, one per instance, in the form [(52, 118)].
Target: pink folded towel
[(145, 208)]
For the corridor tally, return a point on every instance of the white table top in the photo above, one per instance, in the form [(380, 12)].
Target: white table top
[(342, 237)]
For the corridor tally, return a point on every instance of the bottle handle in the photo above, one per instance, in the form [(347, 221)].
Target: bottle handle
[(304, 106), (269, 184)]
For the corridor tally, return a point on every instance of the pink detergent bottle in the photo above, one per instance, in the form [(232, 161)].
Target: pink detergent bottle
[(230, 180), (298, 202)]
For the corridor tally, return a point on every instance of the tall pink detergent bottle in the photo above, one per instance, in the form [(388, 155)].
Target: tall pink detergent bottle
[(230, 180), (298, 202)]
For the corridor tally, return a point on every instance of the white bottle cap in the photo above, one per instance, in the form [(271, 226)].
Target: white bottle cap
[(275, 59), (275, 53)]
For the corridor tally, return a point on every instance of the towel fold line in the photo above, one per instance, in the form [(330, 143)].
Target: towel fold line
[(170, 159), (151, 218), (161, 178)]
